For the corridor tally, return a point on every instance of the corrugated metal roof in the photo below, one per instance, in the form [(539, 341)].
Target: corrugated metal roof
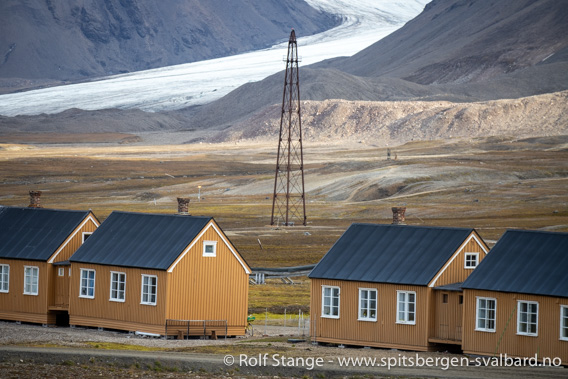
[(522, 261), (141, 240), (35, 233), (398, 254)]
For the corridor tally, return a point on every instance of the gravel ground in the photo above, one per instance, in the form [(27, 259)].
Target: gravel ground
[(68, 353)]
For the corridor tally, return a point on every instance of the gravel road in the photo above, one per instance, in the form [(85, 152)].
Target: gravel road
[(33, 351)]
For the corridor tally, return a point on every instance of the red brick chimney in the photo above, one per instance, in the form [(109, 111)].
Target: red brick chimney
[(183, 205), (35, 199), (398, 215)]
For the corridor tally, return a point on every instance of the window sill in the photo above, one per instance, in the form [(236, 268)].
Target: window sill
[(406, 322), (333, 317), (367, 319), (152, 304), (117, 300), (485, 330), (86, 297), (527, 334)]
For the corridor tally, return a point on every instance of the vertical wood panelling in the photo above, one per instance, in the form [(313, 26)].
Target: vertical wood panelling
[(209, 288), (102, 308), (70, 246), (456, 272), (14, 305), (198, 288), (448, 316), (505, 338), (383, 332), (14, 302)]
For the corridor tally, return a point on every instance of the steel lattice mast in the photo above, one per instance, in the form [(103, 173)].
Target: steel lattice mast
[(289, 201)]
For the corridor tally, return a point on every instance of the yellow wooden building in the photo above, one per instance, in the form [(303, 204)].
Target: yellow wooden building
[(516, 302), (394, 286), (36, 244), (160, 274)]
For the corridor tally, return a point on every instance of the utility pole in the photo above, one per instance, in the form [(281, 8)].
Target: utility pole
[(289, 201)]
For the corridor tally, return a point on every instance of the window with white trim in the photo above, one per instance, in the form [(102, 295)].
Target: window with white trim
[(4, 278), (367, 304), (87, 289), (330, 302), (149, 289), (406, 307), (527, 318), (61, 271), (117, 286), (564, 322), (85, 236), (31, 280), (485, 314), (471, 260), (209, 248)]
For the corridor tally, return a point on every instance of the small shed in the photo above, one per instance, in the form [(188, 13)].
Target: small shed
[(35, 246), (160, 274), (516, 301), (394, 286)]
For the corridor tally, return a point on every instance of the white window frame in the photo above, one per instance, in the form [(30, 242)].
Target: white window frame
[(31, 288), (527, 322), (117, 290), (4, 278), (148, 294), (85, 283), (327, 311), (209, 243), (366, 310), (466, 260), (486, 318), (61, 271), (85, 235), (564, 322), (405, 309)]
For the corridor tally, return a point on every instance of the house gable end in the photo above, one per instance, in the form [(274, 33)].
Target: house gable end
[(91, 218), (473, 237), (211, 225)]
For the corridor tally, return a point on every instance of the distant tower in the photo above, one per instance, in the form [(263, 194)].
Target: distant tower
[(289, 201)]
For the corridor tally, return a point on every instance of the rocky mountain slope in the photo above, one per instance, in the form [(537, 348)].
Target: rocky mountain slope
[(61, 40), (392, 123), (458, 50)]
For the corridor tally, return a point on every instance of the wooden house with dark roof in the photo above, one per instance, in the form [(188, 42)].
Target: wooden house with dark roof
[(160, 274), (35, 246), (516, 301), (393, 286)]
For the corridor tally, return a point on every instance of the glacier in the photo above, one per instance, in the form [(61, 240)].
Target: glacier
[(364, 22)]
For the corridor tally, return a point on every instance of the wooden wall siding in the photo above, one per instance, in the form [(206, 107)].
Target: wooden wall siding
[(15, 301), (60, 294), (448, 316), (101, 308), (455, 272), (209, 288), (547, 344), (385, 332), (74, 241)]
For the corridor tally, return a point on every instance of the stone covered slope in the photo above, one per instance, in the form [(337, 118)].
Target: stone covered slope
[(397, 122)]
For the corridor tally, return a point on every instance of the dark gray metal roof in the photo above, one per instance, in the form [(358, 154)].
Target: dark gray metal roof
[(35, 233), (529, 262), (141, 240), (450, 287), (398, 254)]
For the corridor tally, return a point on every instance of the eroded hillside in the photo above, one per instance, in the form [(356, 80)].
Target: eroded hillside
[(397, 122)]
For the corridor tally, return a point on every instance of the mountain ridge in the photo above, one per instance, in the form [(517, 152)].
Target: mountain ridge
[(58, 40)]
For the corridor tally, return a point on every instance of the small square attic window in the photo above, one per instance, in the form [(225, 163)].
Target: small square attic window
[(210, 248), (471, 260)]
